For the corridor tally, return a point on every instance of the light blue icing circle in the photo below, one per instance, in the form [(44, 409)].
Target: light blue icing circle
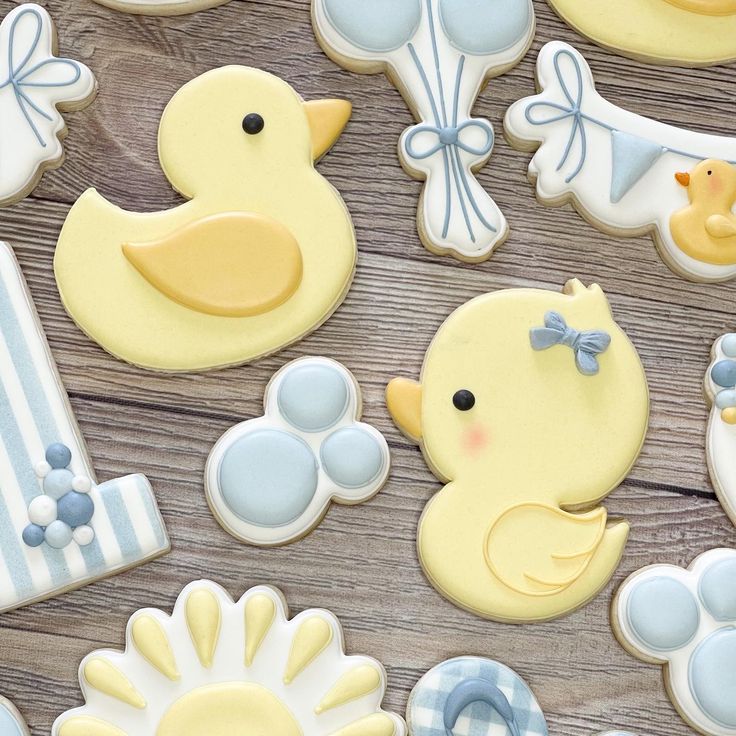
[(375, 25), (724, 373), (713, 676), (718, 590), (663, 613), (58, 534), (728, 345), (313, 397), (58, 482), (268, 477), (352, 457), (726, 398), (58, 455), (9, 725), (485, 26)]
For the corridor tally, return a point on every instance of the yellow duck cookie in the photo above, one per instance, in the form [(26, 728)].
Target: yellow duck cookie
[(532, 406), (262, 253), (706, 228)]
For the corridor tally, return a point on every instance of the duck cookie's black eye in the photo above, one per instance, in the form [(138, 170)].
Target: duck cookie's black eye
[(253, 123), (710, 173), (463, 400)]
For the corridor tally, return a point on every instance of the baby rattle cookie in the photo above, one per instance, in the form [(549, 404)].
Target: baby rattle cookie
[(720, 392), (11, 721), (686, 621), (626, 174), (35, 88), (59, 529), (161, 7), (219, 667), (502, 377), (439, 53), (270, 480), (698, 32), (262, 253)]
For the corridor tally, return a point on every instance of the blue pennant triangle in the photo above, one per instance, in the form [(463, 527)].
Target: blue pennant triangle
[(632, 158)]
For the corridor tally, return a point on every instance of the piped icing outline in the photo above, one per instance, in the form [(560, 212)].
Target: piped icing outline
[(11, 721), (161, 7)]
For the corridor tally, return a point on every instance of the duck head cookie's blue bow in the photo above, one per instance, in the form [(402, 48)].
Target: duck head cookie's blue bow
[(586, 345)]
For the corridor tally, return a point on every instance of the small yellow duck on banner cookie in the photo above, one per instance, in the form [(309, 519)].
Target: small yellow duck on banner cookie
[(532, 407), (262, 253)]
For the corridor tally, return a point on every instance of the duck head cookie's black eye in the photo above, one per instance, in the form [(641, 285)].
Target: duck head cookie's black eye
[(253, 123), (463, 400)]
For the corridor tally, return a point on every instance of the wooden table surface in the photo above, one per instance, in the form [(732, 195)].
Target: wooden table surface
[(361, 562)]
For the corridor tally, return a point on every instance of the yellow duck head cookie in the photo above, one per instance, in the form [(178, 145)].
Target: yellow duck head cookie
[(532, 406), (261, 254)]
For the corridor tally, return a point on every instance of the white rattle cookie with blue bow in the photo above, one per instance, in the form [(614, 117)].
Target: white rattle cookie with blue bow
[(686, 621), (439, 53), (35, 87), (270, 480)]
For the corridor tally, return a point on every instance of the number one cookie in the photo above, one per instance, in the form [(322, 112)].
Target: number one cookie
[(58, 528)]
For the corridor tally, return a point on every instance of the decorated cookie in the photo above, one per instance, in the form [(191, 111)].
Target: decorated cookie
[(720, 391), (34, 89), (270, 480), (530, 404), (261, 255), (219, 668), (628, 174), (161, 7), (439, 53), (11, 721), (686, 621), (698, 32), (59, 529)]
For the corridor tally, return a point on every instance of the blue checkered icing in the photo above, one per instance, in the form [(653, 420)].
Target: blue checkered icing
[(427, 704)]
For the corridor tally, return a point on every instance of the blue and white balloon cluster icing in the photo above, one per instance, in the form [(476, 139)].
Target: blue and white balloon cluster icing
[(723, 375), (62, 513), (270, 479)]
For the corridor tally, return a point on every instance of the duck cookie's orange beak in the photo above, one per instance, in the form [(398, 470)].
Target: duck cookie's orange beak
[(683, 178), (404, 401), (327, 119)]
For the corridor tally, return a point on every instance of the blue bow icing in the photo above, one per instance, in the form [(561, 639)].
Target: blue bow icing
[(18, 75), (586, 345), (450, 136), (477, 690)]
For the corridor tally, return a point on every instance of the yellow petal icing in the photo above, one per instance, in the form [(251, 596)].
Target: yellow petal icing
[(203, 619), (310, 640), (378, 724), (354, 684), (104, 676), (151, 641), (260, 612), (87, 726)]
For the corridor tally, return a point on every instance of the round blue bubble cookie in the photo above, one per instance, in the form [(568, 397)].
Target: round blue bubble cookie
[(271, 479)]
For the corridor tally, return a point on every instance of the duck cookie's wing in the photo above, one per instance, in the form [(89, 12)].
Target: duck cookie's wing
[(541, 550), (720, 226)]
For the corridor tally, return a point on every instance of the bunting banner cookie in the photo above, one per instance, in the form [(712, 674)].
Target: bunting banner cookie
[(59, 529), (439, 53), (625, 173)]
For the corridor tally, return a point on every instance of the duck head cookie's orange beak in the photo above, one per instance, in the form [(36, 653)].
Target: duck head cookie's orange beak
[(404, 401), (683, 178), (327, 119)]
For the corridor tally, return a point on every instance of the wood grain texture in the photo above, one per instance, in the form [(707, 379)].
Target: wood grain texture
[(361, 562)]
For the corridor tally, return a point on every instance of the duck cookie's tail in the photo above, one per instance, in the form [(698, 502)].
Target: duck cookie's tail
[(477, 690)]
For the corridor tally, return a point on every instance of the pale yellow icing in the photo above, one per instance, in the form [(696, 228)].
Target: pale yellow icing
[(260, 612), (203, 619), (104, 676), (707, 7), (311, 639), (151, 641), (506, 537), (87, 726), (354, 684), (378, 724)]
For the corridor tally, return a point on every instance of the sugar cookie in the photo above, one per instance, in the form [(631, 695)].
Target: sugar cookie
[(270, 480), (698, 32), (260, 256), (530, 402), (34, 90), (11, 721), (439, 53), (59, 530), (215, 663), (161, 7), (686, 621), (627, 174)]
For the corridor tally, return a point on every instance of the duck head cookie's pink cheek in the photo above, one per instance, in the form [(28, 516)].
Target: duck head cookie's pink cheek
[(530, 402), (439, 52), (216, 662)]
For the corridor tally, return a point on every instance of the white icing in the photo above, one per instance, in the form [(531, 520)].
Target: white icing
[(471, 238), (649, 203), (32, 83)]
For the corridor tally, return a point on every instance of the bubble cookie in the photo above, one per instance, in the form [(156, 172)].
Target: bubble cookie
[(161, 7), (35, 88), (439, 53), (270, 480), (686, 621), (251, 263), (720, 392), (474, 695), (11, 721), (699, 32), (217, 667), (59, 529), (530, 402), (627, 174)]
